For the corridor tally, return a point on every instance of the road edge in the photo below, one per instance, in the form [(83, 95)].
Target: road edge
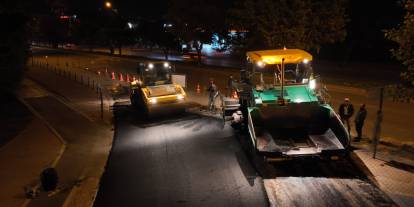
[(86, 185), (54, 132)]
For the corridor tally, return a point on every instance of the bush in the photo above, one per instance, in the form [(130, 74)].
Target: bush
[(13, 50)]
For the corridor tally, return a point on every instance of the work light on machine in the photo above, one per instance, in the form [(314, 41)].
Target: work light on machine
[(153, 100), (166, 65), (312, 84), (180, 97), (261, 64)]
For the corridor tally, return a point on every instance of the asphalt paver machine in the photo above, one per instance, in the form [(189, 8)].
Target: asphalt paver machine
[(285, 113)]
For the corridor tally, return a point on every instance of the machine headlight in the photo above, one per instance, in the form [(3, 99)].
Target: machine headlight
[(305, 61), (312, 84), (180, 97), (298, 100), (150, 66), (261, 64), (153, 100), (166, 65)]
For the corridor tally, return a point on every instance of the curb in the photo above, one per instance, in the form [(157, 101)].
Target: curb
[(405, 146), (63, 99), (56, 95), (361, 165), (85, 183), (51, 128), (54, 132)]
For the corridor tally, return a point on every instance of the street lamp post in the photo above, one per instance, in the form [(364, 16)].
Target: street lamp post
[(378, 121)]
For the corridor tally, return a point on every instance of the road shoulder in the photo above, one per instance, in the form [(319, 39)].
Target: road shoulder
[(23, 158), (84, 161), (397, 183)]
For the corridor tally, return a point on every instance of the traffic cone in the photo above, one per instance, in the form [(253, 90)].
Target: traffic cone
[(127, 78), (113, 75), (121, 78), (198, 88)]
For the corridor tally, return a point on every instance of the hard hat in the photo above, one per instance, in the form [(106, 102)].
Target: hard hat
[(238, 112), (346, 99)]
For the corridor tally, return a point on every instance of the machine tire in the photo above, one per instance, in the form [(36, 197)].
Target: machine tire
[(133, 102)]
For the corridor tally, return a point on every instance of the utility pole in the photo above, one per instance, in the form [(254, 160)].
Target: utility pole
[(101, 99), (378, 121), (281, 99)]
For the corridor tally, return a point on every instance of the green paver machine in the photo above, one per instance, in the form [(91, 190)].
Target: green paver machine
[(284, 108)]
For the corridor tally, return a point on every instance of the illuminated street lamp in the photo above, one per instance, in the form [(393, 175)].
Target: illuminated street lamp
[(108, 4)]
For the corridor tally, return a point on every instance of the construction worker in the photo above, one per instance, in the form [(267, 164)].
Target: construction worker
[(229, 86), (212, 95), (359, 121), (346, 110)]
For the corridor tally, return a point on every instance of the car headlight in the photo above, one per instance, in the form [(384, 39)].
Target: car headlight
[(180, 97), (153, 100)]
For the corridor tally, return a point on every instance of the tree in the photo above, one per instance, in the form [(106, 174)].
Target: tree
[(13, 50), (404, 37), (114, 31), (289, 23), (195, 21), (19, 20), (51, 30), (14, 47), (155, 33), (86, 32), (167, 42)]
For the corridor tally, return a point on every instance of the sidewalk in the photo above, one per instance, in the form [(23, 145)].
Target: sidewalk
[(22, 160), (73, 110), (396, 181)]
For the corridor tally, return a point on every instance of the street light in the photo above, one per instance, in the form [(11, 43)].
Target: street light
[(108, 4)]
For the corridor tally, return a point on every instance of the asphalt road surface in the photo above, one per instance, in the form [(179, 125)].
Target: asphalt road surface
[(183, 160)]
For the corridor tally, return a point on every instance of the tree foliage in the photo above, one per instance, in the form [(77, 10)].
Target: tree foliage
[(195, 21), (114, 31), (14, 47), (404, 37), (303, 24)]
